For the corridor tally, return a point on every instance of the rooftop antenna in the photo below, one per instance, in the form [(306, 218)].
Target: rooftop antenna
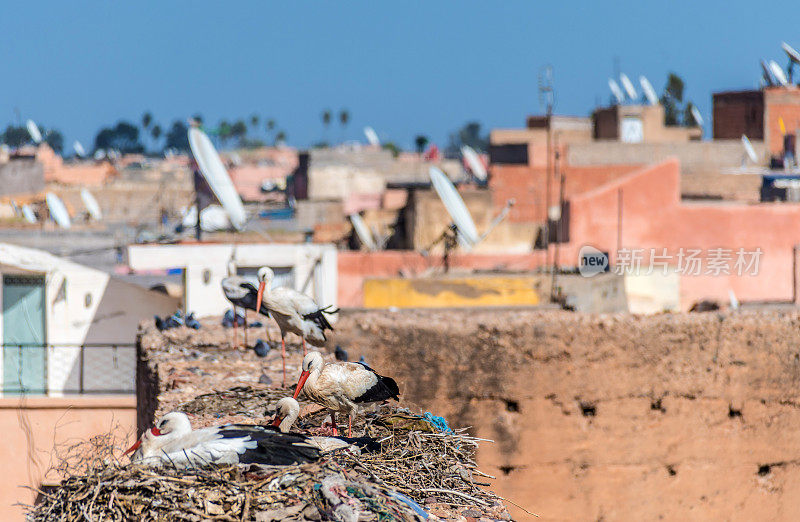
[(698, 118), (33, 130), (372, 136), (749, 151), (616, 91), (79, 150), (546, 92), (628, 86), (765, 75), (363, 233), (777, 73), (476, 166), (794, 58), (649, 92), (213, 170), (57, 210)]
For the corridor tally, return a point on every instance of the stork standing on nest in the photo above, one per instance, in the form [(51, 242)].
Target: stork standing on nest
[(241, 293), (294, 312), (343, 386)]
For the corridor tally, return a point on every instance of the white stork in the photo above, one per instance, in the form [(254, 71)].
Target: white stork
[(294, 312), (172, 442), (287, 411), (242, 293), (343, 386)]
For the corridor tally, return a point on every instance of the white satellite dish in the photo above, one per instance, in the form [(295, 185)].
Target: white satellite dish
[(372, 136), (214, 171), (99, 154), (212, 218), (27, 213), (793, 54), (474, 162), (57, 210), (79, 150), (615, 90), (766, 76), (628, 86), (749, 150), (649, 92), (467, 232), (91, 205), (778, 73), (33, 130), (364, 235), (734, 302), (698, 118)]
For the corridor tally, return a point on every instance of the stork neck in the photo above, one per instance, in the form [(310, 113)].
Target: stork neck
[(288, 421), (152, 444)]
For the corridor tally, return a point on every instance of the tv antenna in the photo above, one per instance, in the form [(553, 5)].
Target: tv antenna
[(546, 93)]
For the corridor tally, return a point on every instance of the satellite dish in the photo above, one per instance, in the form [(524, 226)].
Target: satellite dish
[(214, 171), (27, 213), (628, 86), (364, 235), (33, 130), (749, 150), (649, 92), (372, 136), (794, 56), (467, 232), (79, 150), (778, 73), (698, 118), (99, 154), (766, 74), (733, 300), (616, 91), (91, 205), (474, 162), (57, 210)]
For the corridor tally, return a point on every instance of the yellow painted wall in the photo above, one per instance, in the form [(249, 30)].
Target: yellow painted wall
[(451, 292)]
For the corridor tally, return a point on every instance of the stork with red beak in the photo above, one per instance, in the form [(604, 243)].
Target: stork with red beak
[(343, 387), (294, 312), (172, 442)]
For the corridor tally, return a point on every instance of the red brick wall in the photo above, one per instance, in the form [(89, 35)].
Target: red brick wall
[(528, 185), (737, 113)]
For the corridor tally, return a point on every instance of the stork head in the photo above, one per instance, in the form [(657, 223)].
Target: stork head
[(288, 409), (172, 425), (265, 276), (312, 362)]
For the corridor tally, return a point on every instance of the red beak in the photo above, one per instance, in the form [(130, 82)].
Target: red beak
[(155, 431), (301, 383), (260, 296), (276, 422)]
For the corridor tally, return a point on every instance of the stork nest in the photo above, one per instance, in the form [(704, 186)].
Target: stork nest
[(436, 469)]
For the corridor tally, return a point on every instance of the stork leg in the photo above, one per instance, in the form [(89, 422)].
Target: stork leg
[(235, 329), (283, 356), (245, 328), (333, 418), (305, 350)]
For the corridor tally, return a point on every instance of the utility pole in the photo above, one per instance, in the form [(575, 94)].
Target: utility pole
[(547, 99)]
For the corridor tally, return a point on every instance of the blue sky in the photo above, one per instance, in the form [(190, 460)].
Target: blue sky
[(402, 67)]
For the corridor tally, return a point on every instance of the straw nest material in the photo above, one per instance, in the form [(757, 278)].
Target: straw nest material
[(420, 469)]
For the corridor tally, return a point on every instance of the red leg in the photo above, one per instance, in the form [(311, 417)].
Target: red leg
[(245, 328), (350, 425), (305, 350), (333, 418), (283, 355)]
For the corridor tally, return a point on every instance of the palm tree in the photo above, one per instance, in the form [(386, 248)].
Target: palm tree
[(254, 119), (326, 122), (344, 119), (155, 132), (239, 130), (279, 137), (270, 124), (421, 141), (147, 119)]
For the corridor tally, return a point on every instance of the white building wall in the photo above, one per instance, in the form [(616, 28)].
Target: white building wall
[(314, 269)]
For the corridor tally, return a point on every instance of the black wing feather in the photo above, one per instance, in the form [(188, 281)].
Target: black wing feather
[(273, 447), (385, 388)]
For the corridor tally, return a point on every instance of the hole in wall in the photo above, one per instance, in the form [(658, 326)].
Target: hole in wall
[(656, 405), (507, 469), (588, 409), (671, 470), (512, 406), (764, 470), (733, 412)]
